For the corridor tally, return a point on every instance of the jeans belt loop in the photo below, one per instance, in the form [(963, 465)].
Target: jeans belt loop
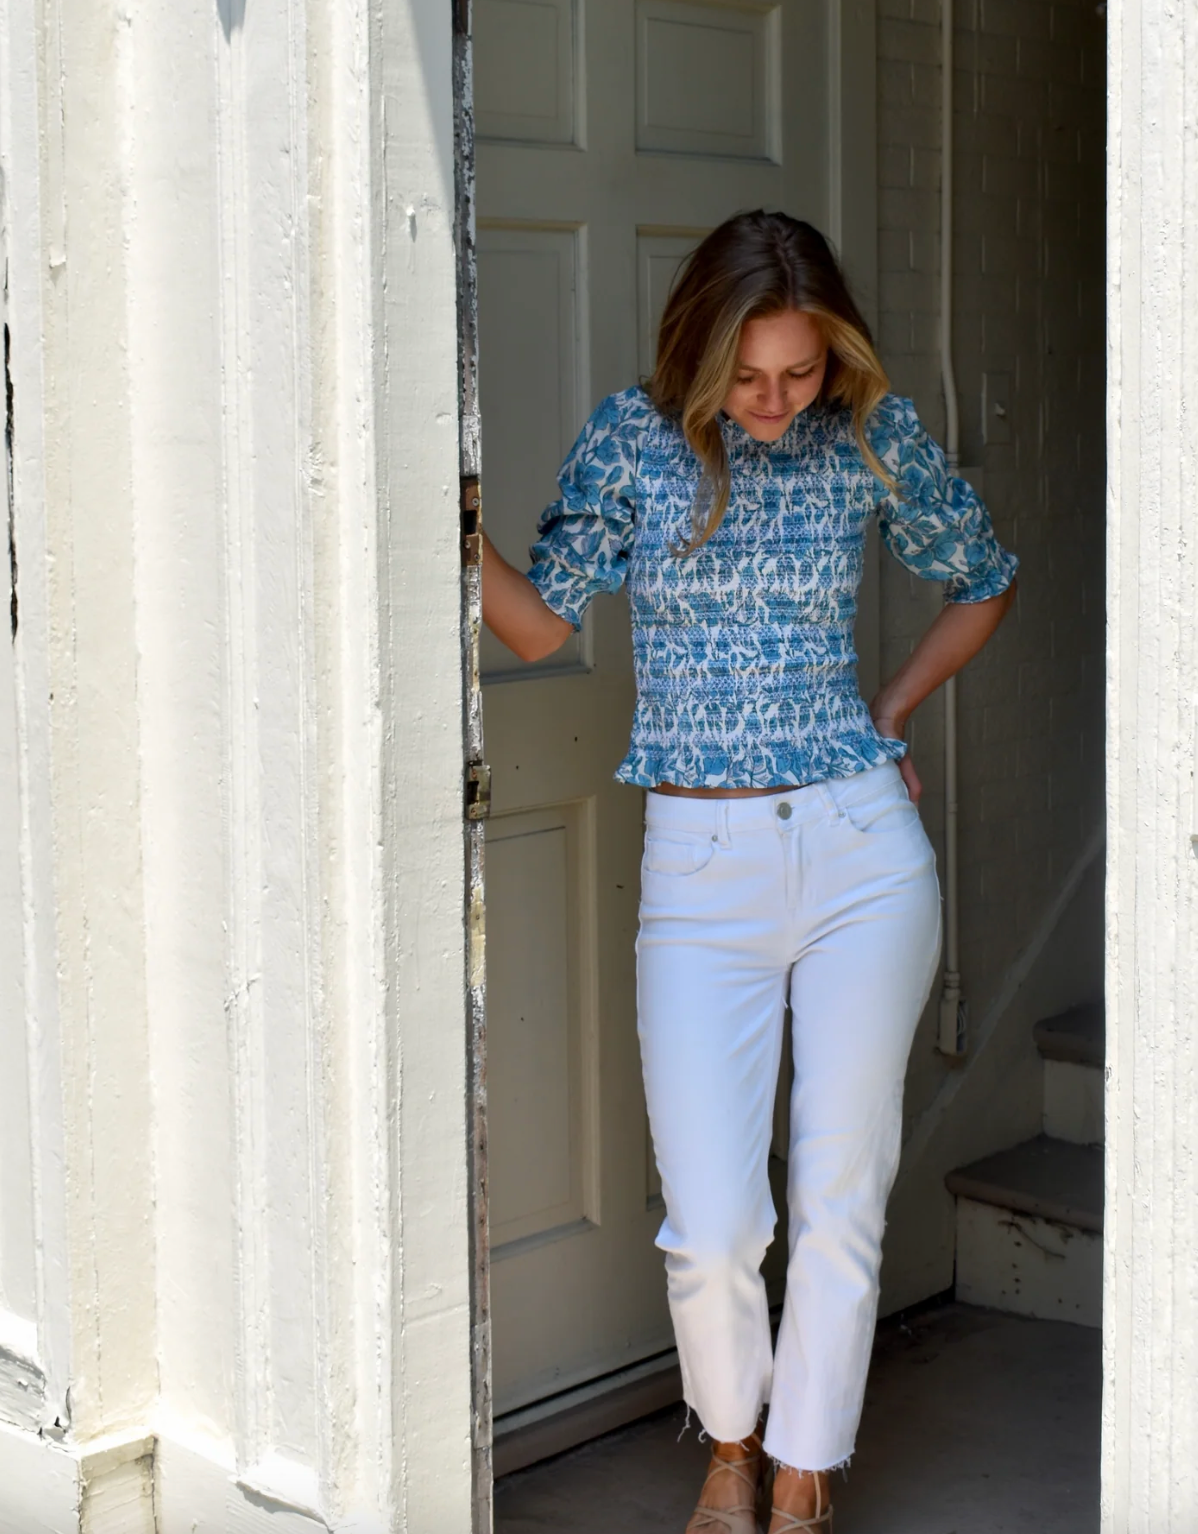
[(723, 823), (828, 800)]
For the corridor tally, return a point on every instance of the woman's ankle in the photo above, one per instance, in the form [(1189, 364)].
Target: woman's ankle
[(804, 1492), (738, 1448)]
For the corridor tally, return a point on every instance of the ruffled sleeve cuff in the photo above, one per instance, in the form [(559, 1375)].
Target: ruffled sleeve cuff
[(566, 592), (990, 577), (933, 522)]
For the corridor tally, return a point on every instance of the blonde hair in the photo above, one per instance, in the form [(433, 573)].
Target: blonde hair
[(754, 265)]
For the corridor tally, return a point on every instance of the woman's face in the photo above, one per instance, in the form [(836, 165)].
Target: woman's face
[(780, 366)]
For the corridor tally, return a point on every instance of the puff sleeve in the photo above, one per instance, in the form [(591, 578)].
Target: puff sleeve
[(585, 537), (935, 524)]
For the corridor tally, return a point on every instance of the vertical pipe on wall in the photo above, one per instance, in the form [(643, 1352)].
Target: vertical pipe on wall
[(951, 1036)]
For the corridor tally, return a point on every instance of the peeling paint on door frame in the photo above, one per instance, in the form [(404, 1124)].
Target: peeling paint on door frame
[(8, 450), (474, 841)]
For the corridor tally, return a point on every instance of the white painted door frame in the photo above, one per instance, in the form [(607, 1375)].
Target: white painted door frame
[(478, 786)]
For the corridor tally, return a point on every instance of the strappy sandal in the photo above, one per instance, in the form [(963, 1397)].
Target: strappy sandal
[(741, 1519), (820, 1521)]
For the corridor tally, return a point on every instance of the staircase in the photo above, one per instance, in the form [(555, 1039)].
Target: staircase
[(1029, 1219)]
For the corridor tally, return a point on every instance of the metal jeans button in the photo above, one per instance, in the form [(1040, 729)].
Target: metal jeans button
[(784, 811)]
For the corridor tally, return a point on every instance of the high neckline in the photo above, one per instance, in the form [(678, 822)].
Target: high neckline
[(737, 439)]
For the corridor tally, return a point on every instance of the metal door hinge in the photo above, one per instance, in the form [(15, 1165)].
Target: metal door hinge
[(478, 790), (472, 521)]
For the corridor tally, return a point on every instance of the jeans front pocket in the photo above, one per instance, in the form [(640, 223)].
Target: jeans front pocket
[(882, 816), (877, 808), (674, 856)]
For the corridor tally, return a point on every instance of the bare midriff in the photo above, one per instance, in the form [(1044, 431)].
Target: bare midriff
[(724, 793)]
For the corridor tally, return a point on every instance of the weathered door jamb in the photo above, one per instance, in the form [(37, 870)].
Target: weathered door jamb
[(475, 778)]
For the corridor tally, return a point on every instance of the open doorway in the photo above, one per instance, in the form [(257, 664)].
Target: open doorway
[(609, 138)]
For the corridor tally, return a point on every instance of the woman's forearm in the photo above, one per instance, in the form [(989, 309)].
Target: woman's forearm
[(956, 636), (514, 610)]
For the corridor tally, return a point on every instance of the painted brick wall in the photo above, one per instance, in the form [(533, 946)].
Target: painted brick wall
[(1029, 250)]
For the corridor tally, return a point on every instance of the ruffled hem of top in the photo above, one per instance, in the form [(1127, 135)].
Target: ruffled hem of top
[(766, 765)]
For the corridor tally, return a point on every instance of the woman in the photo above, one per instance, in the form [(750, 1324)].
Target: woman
[(784, 855)]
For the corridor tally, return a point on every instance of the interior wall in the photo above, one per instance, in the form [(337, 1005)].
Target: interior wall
[(1029, 336)]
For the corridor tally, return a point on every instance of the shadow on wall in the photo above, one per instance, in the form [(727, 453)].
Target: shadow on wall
[(995, 1097), (232, 16)]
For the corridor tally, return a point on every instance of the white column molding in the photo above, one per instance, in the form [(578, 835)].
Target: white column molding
[(86, 477), (35, 1341), (421, 665), (1150, 1417), (234, 1268)]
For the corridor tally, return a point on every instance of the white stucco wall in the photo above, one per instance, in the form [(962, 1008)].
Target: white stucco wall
[(1150, 1398), (236, 743)]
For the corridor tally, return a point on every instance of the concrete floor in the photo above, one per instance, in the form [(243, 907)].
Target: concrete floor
[(975, 1423)]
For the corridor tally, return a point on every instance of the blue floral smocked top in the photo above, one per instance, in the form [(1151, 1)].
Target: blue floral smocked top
[(746, 673)]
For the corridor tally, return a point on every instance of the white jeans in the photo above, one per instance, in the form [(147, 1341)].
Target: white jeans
[(828, 892)]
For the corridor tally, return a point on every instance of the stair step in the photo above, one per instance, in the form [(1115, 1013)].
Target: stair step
[(1077, 1036), (1073, 1102), (1029, 1224), (1049, 1178), (1027, 1266)]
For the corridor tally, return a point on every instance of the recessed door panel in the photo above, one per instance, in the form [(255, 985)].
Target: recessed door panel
[(659, 254), (707, 79), (542, 1057), (526, 90)]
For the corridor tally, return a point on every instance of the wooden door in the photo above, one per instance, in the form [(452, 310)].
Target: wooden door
[(611, 136)]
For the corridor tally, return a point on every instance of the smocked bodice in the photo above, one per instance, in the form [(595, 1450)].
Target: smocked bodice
[(746, 671)]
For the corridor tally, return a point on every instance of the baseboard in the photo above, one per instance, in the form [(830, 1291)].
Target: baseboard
[(550, 1427), (198, 1492), (142, 1482), (117, 1485)]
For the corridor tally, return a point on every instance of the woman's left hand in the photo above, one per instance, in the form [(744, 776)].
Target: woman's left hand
[(893, 729), (911, 778), (959, 632)]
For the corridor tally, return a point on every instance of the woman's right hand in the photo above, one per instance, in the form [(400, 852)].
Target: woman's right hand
[(515, 611)]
